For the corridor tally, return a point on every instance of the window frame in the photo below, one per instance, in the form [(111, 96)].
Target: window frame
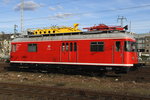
[(97, 46), (32, 47), (63, 48), (71, 46), (118, 47), (130, 46), (75, 46), (67, 46)]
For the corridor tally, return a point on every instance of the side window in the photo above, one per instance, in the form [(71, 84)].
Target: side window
[(147, 50), (67, 46), (97, 46), (118, 45), (63, 46), (75, 46), (13, 48), (130, 46), (32, 47), (71, 46)]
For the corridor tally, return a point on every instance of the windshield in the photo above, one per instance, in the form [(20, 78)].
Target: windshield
[(130, 46)]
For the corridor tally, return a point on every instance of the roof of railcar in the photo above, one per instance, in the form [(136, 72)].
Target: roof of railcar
[(76, 36)]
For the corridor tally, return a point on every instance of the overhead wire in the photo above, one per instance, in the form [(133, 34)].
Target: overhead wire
[(52, 17)]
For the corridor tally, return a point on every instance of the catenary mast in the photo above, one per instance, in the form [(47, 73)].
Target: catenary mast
[(22, 15)]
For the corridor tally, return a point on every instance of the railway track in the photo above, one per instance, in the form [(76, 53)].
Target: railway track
[(140, 75), (27, 92)]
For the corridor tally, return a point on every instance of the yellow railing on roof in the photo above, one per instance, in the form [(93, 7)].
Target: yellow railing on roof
[(56, 29)]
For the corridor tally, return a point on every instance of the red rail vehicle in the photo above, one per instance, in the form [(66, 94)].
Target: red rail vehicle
[(101, 51)]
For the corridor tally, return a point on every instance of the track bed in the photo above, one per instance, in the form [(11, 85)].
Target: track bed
[(136, 83)]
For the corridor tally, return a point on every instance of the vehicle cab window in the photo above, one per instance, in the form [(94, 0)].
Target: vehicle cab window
[(130, 46), (118, 45)]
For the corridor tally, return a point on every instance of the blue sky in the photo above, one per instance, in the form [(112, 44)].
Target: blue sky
[(44, 13)]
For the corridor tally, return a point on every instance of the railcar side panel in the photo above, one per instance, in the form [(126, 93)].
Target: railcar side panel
[(86, 55)]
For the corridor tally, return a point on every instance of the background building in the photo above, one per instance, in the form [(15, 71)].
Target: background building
[(5, 47), (143, 46), (143, 43)]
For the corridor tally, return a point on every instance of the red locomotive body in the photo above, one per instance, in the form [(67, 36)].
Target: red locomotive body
[(116, 51)]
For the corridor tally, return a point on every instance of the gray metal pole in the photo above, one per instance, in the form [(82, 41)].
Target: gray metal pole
[(22, 16)]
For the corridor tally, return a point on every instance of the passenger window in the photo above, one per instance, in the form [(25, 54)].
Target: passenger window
[(97, 46), (118, 45), (67, 46), (63, 46), (32, 47), (71, 46), (75, 46)]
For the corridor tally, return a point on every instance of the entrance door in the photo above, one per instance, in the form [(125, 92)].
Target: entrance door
[(68, 52), (118, 52), (64, 54), (73, 52)]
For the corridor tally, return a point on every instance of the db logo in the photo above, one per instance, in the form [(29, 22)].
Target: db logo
[(49, 47)]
